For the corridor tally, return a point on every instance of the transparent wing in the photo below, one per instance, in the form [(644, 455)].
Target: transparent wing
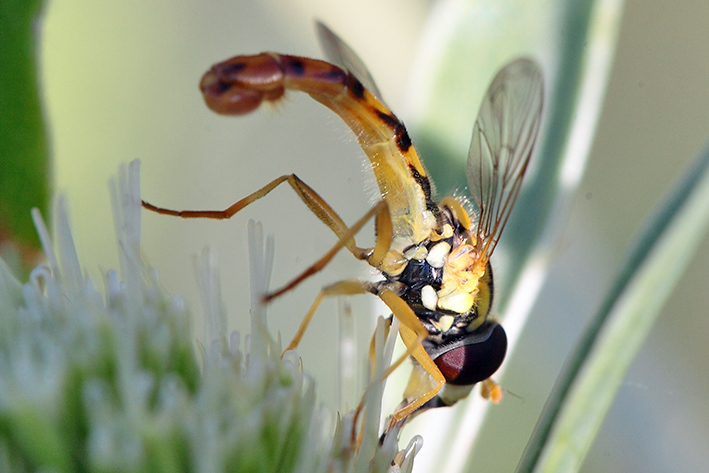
[(340, 54), (503, 140)]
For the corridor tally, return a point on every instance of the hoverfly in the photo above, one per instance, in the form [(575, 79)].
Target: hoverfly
[(433, 258)]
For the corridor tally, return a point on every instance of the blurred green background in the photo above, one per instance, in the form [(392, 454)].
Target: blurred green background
[(121, 83)]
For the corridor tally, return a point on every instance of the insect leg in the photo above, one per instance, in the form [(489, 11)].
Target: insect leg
[(411, 330), (311, 198), (385, 233), (398, 306), (380, 209), (412, 334), (343, 288)]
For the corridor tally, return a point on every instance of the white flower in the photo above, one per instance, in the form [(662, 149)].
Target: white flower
[(111, 382)]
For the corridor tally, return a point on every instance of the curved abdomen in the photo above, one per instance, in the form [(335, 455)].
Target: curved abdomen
[(241, 84)]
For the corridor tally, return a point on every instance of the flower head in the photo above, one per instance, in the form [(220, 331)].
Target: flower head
[(110, 381)]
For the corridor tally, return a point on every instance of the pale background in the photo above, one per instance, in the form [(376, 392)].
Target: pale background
[(121, 82)]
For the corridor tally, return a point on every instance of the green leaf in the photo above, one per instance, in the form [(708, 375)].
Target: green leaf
[(24, 168), (593, 374)]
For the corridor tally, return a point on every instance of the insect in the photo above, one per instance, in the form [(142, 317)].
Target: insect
[(432, 256)]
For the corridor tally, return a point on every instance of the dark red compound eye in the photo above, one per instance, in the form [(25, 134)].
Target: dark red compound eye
[(474, 357)]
